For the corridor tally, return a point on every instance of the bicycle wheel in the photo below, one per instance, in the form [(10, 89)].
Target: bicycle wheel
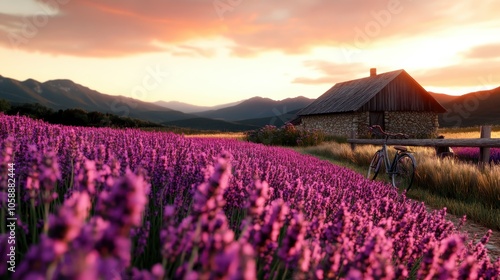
[(404, 172), (374, 167)]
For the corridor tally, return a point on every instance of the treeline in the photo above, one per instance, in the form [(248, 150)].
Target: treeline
[(74, 117)]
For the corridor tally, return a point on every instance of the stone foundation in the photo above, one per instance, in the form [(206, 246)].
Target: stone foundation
[(337, 124), (415, 124)]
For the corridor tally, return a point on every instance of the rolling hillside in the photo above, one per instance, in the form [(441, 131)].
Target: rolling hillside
[(188, 108), (64, 94), (257, 108), (277, 120), (472, 109)]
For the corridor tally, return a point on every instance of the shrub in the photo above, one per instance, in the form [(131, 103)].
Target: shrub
[(287, 135)]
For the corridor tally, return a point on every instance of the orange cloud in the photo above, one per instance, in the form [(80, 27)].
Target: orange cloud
[(490, 51), (332, 72), (117, 28), (127, 27), (466, 74)]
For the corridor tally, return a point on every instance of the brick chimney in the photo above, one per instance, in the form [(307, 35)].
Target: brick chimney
[(373, 72)]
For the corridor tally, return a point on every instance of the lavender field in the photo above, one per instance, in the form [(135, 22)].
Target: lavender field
[(472, 154), (127, 204)]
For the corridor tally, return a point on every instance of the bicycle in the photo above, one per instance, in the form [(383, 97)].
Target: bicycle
[(402, 169)]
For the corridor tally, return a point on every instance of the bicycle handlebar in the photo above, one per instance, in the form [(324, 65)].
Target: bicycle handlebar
[(378, 130)]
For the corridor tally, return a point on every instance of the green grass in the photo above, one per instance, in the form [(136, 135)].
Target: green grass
[(460, 187)]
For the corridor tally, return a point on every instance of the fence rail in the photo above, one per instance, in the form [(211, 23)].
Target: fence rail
[(484, 143), (490, 143)]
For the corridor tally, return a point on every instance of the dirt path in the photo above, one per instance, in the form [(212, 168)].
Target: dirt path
[(472, 229)]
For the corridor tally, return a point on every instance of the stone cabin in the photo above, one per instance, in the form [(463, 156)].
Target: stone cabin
[(393, 100)]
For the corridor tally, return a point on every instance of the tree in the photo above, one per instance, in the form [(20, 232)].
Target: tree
[(76, 117), (4, 105)]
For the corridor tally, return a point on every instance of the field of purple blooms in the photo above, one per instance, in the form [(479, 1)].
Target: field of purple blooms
[(472, 154), (110, 204)]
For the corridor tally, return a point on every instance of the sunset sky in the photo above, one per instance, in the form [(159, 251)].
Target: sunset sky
[(208, 52)]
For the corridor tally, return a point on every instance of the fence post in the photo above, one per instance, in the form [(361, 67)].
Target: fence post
[(353, 136), (484, 152)]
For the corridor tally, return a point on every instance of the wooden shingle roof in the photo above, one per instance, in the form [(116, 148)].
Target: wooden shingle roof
[(356, 95)]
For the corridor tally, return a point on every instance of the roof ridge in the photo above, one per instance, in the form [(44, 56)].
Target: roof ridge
[(368, 77)]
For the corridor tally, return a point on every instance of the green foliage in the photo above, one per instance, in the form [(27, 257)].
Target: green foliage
[(4, 105), (287, 135), (35, 111), (74, 116)]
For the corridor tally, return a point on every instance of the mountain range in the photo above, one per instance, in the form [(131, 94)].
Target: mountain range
[(476, 108), (189, 108), (472, 109), (239, 116)]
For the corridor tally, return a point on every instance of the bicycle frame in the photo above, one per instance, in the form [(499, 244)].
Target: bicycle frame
[(401, 169), (385, 157), (384, 153)]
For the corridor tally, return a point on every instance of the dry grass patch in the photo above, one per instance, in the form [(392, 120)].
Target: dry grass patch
[(469, 132), (228, 135)]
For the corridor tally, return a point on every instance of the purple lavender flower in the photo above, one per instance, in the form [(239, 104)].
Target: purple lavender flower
[(114, 254), (258, 199), (39, 260), (157, 273), (291, 247), (4, 251), (125, 203), (142, 235), (86, 177), (48, 176), (5, 158), (66, 225)]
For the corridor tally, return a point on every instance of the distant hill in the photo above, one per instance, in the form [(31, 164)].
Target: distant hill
[(256, 108), (65, 94), (188, 108), (472, 109), (278, 120), (443, 98)]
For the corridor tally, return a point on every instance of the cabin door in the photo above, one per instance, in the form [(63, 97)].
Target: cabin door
[(377, 118)]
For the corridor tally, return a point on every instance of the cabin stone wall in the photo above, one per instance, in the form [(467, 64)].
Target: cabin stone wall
[(337, 124), (415, 124)]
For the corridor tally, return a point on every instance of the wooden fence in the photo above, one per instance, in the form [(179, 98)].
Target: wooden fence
[(484, 143)]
